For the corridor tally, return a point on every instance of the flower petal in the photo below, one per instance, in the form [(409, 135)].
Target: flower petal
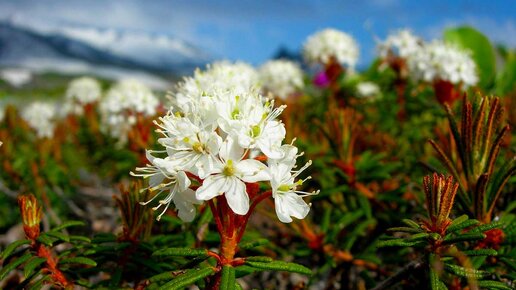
[(289, 205), (211, 187), (236, 196), (250, 170)]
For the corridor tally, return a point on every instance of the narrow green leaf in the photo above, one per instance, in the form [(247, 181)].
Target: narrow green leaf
[(280, 266), (78, 260), (418, 237), (398, 243), (461, 226), (180, 252), (405, 230), (254, 244), (487, 227), (13, 264), (227, 281), (411, 223), (188, 278), (11, 247), (469, 237), (259, 259), (493, 285), (68, 224), (80, 238), (465, 272), (59, 236), (31, 265), (481, 252), (458, 221), (46, 240)]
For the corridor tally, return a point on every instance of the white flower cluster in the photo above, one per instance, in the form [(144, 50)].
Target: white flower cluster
[(328, 43), (218, 76), (440, 61), (123, 102), (367, 89), (281, 78), (81, 91), (41, 117), (402, 43), (218, 132)]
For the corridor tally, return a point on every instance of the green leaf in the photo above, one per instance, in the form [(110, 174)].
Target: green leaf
[(458, 221), (180, 252), (68, 224), (435, 282), (411, 223), (398, 243), (463, 225), (280, 266), (405, 230), (487, 227), (253, 244), (493, 285), (465, 272), (188, 278), (481, 252), (31, 265), (13, 264), (78, 260), (46, 240), (228, 280), (259, 259), (506, 80), (11, 247), (482, 51), (59, 236), (469, 237)]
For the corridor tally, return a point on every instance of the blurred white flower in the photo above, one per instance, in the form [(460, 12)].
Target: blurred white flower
[(323, 45), (41, 117), (441, 61), (80, 91), (402, 43), (367, 89), (281, 78), (123, 102), (84, 90)]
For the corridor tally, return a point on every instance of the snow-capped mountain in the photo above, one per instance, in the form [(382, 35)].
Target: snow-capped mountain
[(107, 53)]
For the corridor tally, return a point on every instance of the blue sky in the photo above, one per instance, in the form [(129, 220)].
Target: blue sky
[(253, 30)]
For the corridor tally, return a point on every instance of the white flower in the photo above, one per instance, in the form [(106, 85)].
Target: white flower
[(281, 78), (84, 90), (288, 200), (192, 147), (41, 117), (367, 89), (122, 103), (218, 124), (442, 61), (401, 43), (328, 43), (252, 122), (163, 177), (229, 177)]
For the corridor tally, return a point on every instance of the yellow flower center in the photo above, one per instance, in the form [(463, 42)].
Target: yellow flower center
[(229, 169), (198, 147)]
